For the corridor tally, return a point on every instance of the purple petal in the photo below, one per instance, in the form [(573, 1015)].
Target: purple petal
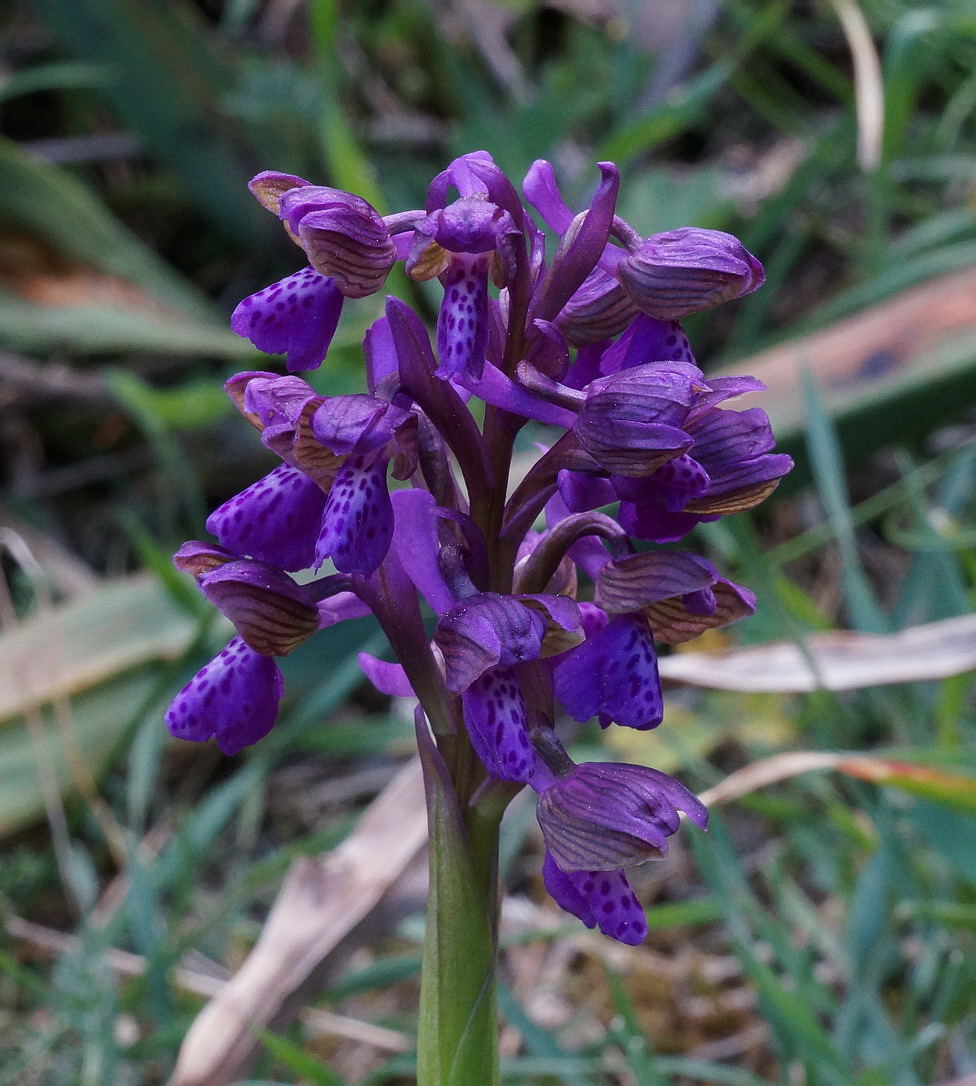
[(485, 630), (461, 174), (462, 323), (543, 194), (296, 317), (649, 340), (584, 492), (469, 225), (495, 388), (380, 352), (357, 525), (653, 522), (234, 699), (197, 557), (602, 816), (494, 712), (597, 311), (682, 618), (417, 545), (275, 520), (270, 611), (350, 245), (579, 250), (733, 446), (632, 421), (355, 423), (388, 678), (339, 607), (687, 270), (674, 484), (268, 399), (725, 388), (628, 584), (603, 898), (613, 675), (269, 186)]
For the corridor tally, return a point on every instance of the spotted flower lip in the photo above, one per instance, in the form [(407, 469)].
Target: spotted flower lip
[(296, 317), (604, 816), (603, 899), (613, 675), (233, 699)]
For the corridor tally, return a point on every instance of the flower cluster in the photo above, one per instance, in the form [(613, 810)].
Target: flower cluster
[(550, 592)]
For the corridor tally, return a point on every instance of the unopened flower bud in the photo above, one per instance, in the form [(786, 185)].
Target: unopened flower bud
[(631, 422), (343, 235), (604, 816), (271, 612), (687, 270), (199, 558)]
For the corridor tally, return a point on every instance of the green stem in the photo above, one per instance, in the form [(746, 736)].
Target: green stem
[(457, 1041)]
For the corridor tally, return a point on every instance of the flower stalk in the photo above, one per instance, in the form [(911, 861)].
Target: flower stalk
[(548, 599), (457, 1036)]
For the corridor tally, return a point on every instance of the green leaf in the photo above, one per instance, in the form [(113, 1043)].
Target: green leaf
[(52, 204), (936, 785), (96, 329), (297, 1060), (71, 681), (116, 295), (168, 83)]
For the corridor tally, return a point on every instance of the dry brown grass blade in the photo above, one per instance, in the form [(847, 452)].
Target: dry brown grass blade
[(778, 767), (322, 902), (834, 661), (863, 360)]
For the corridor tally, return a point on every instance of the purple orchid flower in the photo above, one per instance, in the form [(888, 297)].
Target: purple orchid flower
[(395, 500)]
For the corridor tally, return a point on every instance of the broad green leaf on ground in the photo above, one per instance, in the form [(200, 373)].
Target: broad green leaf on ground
[(71, 679), (73, 275), (167, 81), (97, 328)]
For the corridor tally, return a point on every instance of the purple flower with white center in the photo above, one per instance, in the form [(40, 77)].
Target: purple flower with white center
[(572, 325)]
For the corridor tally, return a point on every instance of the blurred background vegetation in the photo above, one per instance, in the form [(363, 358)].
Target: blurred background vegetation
[(823, 931)]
